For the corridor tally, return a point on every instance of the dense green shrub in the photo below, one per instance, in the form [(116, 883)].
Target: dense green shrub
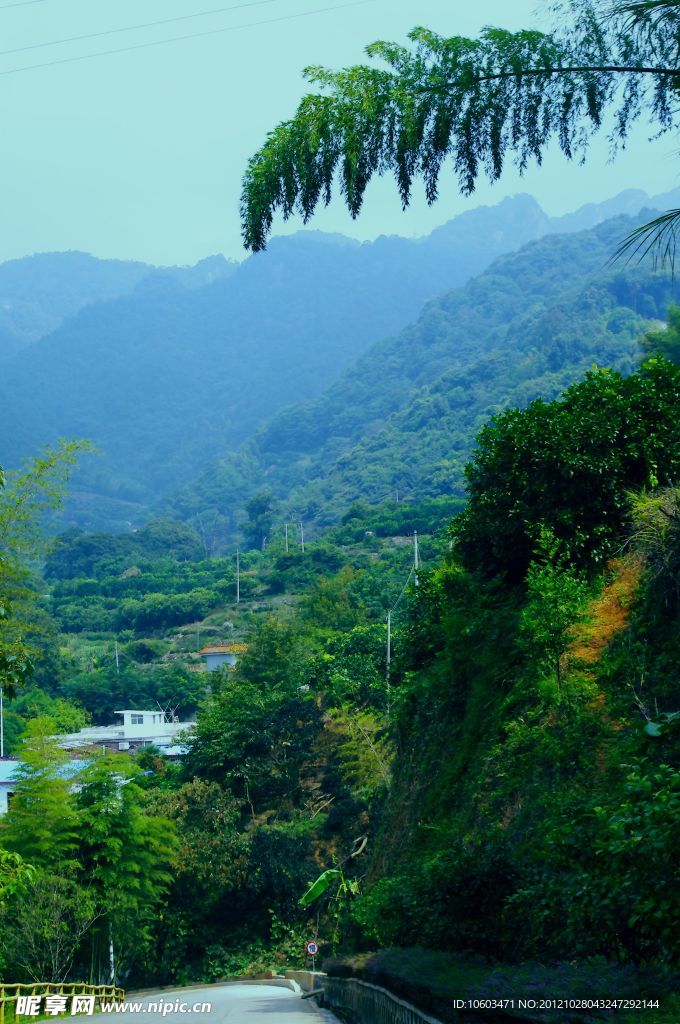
[(567, 465)]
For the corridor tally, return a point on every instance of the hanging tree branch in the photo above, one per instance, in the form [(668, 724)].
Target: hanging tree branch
[(472, 103)]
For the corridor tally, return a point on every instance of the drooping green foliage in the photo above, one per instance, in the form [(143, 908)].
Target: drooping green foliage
[(471, 102), (656, 533), (319, 887)]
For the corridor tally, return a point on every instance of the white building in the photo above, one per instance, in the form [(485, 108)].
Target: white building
[(7, 782), (138, 729)]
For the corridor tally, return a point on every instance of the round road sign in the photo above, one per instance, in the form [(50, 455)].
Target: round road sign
[(312, 948)]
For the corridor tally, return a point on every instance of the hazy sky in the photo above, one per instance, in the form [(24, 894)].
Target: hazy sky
[(140, 154)]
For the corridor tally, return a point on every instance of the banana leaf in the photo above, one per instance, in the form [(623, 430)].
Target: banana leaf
[(319, 887)]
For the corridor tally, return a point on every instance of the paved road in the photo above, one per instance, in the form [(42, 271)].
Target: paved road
[(233, 1004)]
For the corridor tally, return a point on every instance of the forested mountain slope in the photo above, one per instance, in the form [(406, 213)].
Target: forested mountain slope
[(38, 292), (166, 378), (403, 418), (190, 363)]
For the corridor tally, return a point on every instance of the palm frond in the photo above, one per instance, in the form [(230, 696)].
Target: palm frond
[(658, 239), (647, 13)]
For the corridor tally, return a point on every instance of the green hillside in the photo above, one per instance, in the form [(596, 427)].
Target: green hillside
[(194, 360), (169, 369), (402, 420)]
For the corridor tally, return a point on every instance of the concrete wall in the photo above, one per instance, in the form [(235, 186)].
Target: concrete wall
[(307, 980)]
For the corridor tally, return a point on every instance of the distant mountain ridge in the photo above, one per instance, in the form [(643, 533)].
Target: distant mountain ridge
[(187, 364), (37, 293), (402, 420)]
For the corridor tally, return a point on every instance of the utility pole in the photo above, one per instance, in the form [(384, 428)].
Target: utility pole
[(286, 538), (302, 537), (389, 647), (112, 961), (115, 645), (416, 560), (238, 578), (2, 726), (388, 659)]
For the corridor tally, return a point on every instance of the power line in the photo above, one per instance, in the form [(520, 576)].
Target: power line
[(133, 28), (24, 3), (388, 653), (192, 35), (403, 591)]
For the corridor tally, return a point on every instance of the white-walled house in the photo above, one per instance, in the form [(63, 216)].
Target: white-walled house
[(7, 782), (139, 728)]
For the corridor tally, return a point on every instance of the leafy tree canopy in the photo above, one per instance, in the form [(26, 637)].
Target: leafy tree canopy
[(26, 496), (42, 822), (476, 102), (665, 341), (258, 526), (566, 465)]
